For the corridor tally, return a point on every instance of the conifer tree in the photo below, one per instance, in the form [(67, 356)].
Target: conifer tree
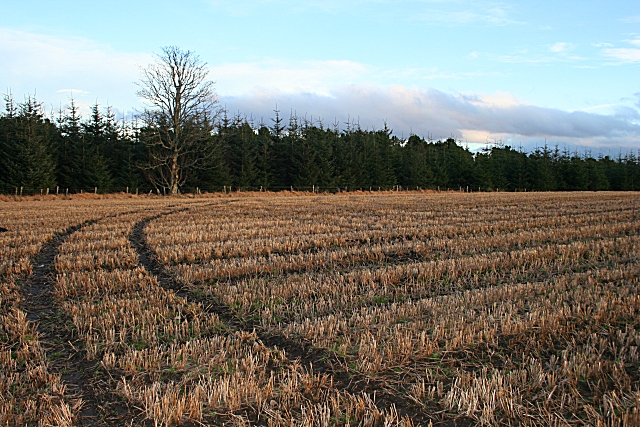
[(70, 148), (263, 158), (27, 154), (98, 139)]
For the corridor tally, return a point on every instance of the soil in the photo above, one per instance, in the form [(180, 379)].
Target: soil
[(65, 352), (62, 349)]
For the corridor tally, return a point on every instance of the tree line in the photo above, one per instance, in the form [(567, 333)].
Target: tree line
[(99, 153)]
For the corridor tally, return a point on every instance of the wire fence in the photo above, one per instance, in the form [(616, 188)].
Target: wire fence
[(148, 190)]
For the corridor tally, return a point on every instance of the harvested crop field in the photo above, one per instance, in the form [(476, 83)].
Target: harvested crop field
[(389, 309)]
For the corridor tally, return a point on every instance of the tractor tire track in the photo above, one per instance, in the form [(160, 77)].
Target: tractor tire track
[(64, 357), (65, 354), (317, 359)]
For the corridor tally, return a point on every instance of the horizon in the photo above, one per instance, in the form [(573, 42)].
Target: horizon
[(477, 71)]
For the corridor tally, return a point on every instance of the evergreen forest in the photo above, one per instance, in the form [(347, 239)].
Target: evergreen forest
[(98, 153)]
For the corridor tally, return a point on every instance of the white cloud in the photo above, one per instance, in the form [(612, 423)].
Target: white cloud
[(544, 54), (498, 99), (52, 64), (624, 55), (477, 14), (317, 77), (562, 47), (634, 42), (523, 59), (287, 77), (631, 19)]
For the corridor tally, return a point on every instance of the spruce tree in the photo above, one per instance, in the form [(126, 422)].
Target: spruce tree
[(26, 141), (70, 144), (97, 138)]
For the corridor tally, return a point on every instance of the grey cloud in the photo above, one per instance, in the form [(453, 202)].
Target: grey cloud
[(535, 121), (433, 112)]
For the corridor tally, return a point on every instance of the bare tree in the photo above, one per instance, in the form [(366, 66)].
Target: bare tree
[(181, 106)]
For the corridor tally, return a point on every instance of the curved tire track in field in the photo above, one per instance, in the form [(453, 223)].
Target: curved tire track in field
[(39, 303), (64, 358), (320, 360)]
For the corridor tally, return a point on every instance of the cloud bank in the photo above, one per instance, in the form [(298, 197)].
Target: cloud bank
[(430, 112)]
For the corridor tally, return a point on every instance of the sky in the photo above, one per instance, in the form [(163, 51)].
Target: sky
[(525, 73)]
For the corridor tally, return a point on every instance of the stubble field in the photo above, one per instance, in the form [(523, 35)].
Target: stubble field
[(321, 310)]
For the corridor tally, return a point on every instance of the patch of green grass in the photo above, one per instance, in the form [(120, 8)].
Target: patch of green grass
[(140, 345), (55, 355), (380, 299)]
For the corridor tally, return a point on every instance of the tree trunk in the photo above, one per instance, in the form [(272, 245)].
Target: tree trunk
[(174, 183)]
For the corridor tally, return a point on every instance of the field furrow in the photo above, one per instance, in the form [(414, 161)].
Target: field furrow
[(400, 309)]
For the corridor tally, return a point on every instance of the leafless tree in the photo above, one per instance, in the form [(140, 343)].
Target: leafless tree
[(180, 107)]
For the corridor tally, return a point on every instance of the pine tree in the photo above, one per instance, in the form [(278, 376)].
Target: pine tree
[(263, 159), (281, 147), (97, 138), (26, 141), (543, 176), (597, 180), (70, 173), (419, 174)]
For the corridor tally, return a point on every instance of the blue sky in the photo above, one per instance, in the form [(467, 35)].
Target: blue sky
[(523, 72)]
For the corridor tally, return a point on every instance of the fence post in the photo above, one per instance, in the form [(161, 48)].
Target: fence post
[(20, 191), (95, 190), (47, 191), (57, 189)]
